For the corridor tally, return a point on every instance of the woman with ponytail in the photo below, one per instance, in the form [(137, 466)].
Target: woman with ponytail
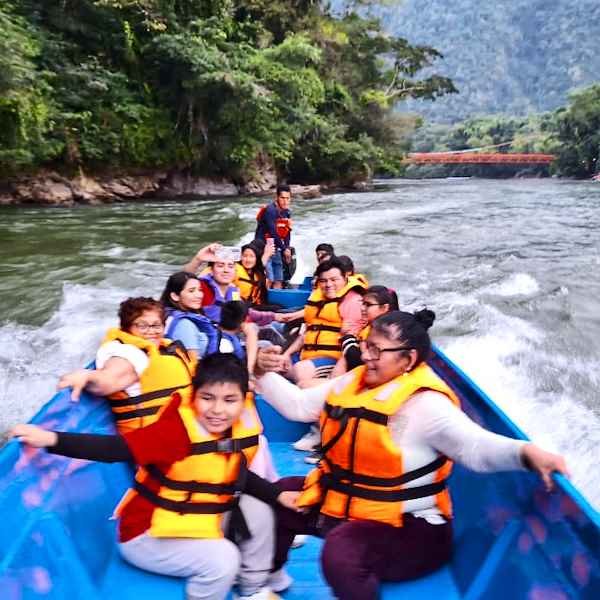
[(377, 301), (390, 431)]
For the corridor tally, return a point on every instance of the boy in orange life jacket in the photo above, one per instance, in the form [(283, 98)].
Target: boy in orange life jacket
[(274, 222), (191, 471)]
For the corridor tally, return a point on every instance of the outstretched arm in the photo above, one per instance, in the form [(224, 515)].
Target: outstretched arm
[(102, 448), (204, 255), (117, 374)]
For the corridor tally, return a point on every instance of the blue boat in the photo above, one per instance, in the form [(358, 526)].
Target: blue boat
[(512, 539)]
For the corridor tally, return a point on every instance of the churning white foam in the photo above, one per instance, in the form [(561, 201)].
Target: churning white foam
[(534, 389), (516, 284)]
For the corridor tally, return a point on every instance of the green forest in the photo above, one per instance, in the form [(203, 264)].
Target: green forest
[(317, 92), (214, 87)]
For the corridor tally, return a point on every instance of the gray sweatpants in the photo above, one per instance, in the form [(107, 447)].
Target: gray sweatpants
[(211, 566)]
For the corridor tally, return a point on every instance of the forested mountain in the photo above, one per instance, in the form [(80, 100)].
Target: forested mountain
[(507, 56)]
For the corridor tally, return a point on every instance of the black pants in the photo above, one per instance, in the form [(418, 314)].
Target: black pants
[(358, 555)]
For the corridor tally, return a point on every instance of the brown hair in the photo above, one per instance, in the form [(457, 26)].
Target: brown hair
[(132, 308)]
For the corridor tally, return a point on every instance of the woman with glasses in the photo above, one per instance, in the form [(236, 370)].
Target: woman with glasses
[(390, 431), (136, 368), (378, 300)]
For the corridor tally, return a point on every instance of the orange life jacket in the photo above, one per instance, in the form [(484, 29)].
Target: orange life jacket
[(192, 495), (324, 322), (170, 368), (361, 474)]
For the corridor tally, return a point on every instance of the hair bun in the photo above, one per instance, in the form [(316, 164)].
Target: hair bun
[(425, 317)]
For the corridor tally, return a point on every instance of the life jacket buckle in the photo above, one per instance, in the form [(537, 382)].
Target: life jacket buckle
[(337, 412), (225, 445)]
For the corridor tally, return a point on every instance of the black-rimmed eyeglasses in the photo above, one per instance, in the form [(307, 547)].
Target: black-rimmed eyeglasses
[(375, 351)]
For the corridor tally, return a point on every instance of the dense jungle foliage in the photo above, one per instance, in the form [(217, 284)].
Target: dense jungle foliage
[(571, 133), (213, 86), (514, 57)]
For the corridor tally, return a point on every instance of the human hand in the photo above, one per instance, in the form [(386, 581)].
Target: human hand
[(269, 359), (208, 253), (284, 317), (287, 255), (34, 436), (544, 463), (289, 499), (76, 380)]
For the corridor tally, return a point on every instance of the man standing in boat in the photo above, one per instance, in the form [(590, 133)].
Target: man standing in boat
[(274, 224)]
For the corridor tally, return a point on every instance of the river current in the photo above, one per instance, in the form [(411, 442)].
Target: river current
[(511, 268)]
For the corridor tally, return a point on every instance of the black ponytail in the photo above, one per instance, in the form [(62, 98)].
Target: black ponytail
[(408, 330)]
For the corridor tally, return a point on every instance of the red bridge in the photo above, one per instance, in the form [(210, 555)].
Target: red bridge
[(496, 158)]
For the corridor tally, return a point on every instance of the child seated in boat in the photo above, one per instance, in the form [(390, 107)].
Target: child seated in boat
[(195, 510), (390, 431), (137, 369)]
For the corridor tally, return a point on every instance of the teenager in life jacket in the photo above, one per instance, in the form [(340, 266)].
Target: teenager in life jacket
[(390, 431), (274, 223), (333, 308), (378, 300), (137, 369), (250, 276), (194, 510), (324, 251)]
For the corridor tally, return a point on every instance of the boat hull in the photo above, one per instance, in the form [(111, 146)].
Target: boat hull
[(512, 539)]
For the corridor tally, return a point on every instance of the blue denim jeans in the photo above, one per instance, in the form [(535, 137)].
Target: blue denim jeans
[(274, 267)]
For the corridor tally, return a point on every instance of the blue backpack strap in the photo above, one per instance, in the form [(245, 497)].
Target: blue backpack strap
[(203, 323)]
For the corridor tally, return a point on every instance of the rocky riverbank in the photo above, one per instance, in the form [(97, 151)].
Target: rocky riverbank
[(50, 188)]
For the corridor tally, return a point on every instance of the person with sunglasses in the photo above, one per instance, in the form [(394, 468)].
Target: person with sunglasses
[(137, 369), (391, 429)]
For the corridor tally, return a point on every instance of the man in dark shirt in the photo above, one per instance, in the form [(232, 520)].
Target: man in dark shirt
[(274, 223)]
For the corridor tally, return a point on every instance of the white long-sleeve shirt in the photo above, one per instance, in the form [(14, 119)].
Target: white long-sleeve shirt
[(426, 425)]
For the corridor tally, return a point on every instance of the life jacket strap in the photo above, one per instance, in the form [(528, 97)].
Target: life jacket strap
[(310, 347), (250, 281), (136, 413), (224, 445), (320, 327), (337, 412), (184, 507), (193, 487), (344, 475), (330, 483), (147, 397)]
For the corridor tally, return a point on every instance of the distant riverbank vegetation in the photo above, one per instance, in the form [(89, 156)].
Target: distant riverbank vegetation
[(215, 87), (571, 133)]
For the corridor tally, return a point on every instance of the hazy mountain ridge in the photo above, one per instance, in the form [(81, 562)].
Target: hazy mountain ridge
[(511, 56)]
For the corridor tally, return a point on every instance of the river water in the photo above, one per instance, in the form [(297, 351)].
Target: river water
[(512, 269)]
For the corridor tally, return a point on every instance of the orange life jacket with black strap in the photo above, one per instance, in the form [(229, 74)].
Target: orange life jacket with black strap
[(283, 225), (324, 321), (249, 285), (192, 495), (361, 474), (169, 369)]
